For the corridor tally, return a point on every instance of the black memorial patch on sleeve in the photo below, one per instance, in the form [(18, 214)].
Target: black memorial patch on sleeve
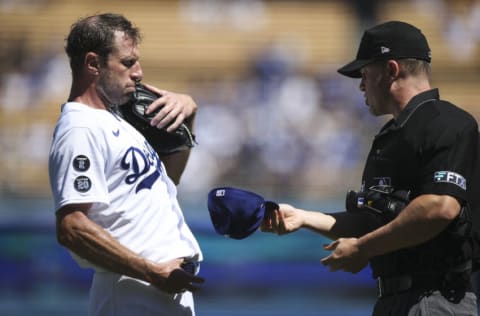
[(82, 184), (81, 163)]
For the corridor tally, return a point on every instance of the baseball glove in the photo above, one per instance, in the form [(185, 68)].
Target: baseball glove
[(162, 141)]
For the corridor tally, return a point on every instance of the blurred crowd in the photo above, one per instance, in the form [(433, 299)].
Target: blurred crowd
[(460, 20), (280, 130)]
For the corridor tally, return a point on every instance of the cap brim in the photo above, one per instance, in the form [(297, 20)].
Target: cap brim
[(352, 69)]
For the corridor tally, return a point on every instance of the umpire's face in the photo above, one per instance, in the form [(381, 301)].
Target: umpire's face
[(116, 82), (375, 85)]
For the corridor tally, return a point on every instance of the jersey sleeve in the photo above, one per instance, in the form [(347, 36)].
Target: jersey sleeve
[(76, 168), (448, 162)]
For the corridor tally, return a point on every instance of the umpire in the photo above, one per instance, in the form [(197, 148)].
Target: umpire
[(411, 218)]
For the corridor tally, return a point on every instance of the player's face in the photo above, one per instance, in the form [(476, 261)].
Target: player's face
[(116, 81), (375, 87)]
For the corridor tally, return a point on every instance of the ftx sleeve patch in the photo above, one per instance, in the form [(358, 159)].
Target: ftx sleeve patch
[(450, 177)]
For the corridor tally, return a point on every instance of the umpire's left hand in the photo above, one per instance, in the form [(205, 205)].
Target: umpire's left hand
[(346, 255)]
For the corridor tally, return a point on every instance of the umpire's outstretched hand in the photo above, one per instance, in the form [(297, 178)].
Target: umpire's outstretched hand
[(283, 221)]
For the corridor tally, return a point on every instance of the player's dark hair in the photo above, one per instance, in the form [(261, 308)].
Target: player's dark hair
[(96, 34)]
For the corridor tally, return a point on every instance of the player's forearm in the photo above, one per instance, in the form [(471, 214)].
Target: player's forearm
[(93, 243), (424, 218), (176, 163)]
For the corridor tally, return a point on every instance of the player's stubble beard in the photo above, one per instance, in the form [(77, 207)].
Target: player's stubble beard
[(110, 90)]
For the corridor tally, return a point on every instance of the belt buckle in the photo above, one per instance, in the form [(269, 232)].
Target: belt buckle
[(190, 267), (379, 287)]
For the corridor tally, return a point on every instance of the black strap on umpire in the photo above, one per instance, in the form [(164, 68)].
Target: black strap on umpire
[(456, 279)]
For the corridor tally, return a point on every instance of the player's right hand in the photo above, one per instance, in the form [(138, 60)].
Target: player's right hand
[(171, 278), (179, 281), (173, 109)]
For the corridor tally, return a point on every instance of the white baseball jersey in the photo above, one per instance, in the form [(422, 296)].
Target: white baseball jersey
[(96, 157)]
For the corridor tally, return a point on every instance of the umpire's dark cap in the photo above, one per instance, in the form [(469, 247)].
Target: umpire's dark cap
[(237, 213), (390, 40)]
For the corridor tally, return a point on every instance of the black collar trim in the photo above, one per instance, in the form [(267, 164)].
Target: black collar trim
[(407, 112)]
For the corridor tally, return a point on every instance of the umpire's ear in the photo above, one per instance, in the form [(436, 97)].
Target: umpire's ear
[(92, 63), (393, 69)]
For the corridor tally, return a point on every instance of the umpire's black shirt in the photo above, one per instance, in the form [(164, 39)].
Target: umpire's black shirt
[(429, 149)]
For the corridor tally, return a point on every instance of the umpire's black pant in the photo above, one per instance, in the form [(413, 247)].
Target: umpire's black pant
[(417, 302)]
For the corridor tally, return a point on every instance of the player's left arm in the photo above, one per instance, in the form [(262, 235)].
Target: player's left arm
[(176, 108), (175, 164)]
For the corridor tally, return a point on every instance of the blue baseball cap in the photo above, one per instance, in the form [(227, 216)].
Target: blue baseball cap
[(237, 213)]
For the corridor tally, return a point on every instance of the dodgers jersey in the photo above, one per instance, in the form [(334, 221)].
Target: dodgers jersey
[(97, 157)]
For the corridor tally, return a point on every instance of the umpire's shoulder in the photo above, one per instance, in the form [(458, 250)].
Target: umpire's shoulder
[(454, 116)]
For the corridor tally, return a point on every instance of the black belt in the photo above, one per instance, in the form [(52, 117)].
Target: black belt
[(387, 286), (396, 284), (457, 278)]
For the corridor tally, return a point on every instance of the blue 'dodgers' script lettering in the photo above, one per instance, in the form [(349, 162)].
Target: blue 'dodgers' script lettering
[(140, 163)]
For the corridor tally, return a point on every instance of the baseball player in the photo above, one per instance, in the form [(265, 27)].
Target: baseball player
[(115, 201), (411, 219)]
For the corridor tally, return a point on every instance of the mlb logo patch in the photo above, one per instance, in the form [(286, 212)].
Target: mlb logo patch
[(450, 177)]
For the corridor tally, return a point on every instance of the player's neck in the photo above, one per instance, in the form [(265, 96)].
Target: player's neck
[(86, 95)]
